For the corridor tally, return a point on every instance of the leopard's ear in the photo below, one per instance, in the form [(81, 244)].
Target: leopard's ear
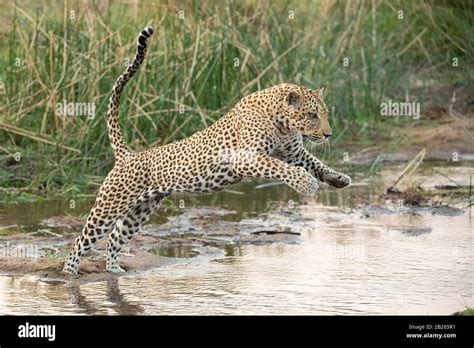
[(320, 92), (293, 98)]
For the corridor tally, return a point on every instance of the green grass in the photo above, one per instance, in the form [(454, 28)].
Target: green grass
[(190, 64), (468, 311)]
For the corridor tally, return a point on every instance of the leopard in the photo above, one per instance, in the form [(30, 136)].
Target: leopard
[(263, 136)]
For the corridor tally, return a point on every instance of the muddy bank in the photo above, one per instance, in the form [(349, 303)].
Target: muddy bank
[(48, 268), (446, 135)]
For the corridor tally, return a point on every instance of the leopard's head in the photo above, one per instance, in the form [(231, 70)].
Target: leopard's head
[(306, 113)]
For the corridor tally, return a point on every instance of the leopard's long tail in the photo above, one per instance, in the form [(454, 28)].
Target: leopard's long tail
[(115, 134)]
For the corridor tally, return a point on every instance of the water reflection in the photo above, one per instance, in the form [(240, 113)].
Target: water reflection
[(121, 305), (76, 298), (118, 303)]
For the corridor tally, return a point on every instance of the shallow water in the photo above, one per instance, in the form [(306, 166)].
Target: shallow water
[(345, 261)]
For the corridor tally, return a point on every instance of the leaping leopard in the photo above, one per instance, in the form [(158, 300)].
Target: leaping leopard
[(261, 137)]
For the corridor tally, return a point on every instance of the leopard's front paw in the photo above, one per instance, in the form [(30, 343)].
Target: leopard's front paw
[(304, 182), (338, 180)]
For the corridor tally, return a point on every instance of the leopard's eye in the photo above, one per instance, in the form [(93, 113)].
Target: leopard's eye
[(313, 115)]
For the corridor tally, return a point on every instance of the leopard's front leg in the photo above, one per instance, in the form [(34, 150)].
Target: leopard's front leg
[(303, 158), (256, 139), (260, 165)]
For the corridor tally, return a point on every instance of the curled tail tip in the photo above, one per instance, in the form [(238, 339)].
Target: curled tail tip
[(144, 36), (150, 29), (147, 32)]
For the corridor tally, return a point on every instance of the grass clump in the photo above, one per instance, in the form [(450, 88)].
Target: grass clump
[(203, 59)]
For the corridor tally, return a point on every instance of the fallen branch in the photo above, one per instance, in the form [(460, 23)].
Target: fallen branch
[(409, 169)]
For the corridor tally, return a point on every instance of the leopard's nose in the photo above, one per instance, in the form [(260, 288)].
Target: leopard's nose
[(327, 135)]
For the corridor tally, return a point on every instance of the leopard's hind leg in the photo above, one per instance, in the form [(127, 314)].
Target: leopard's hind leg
[(129, 226), (117, 196), (98, 223)]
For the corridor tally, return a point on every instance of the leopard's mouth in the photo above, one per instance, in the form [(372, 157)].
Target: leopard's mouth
[(316, 140)]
